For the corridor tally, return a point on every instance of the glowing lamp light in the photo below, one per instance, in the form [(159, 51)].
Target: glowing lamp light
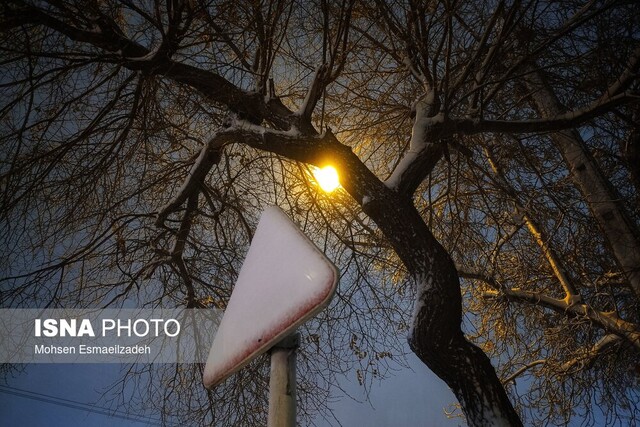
[(327, 178)]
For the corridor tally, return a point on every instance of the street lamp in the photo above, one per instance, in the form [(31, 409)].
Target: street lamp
[(327, 178)]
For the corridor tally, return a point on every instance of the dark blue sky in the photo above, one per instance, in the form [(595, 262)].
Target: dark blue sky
[(407, 399)]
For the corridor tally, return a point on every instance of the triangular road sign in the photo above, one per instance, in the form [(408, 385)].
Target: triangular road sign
[(284, 281)]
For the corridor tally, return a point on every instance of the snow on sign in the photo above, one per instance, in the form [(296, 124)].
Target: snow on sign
[(284, 281)]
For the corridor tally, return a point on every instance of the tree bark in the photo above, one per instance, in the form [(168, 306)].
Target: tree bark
[(436, 336)]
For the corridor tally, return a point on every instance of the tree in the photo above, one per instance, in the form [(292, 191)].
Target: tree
[(477, 144)]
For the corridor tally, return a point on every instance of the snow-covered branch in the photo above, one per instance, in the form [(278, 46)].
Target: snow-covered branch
[(536, 230), (580, 361), (588, 356), (415, 72), (608, 321), (523, 369), (209, 155), (424, 149), (625, 79), (569, 306), (316, 89)]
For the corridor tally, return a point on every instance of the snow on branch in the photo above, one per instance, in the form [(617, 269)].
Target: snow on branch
[(567, 306), (425, 120), (209, 155), (244, 127), (150, 56), (588, 356), (522, 370), (293, 144), (413, 69), (623, 82), (314, 93), (608, 321), (536, 230)]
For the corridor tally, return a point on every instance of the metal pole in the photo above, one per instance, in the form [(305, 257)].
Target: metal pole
[(282, 384)]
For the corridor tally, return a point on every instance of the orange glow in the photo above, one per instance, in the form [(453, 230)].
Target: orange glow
[(327, 178)]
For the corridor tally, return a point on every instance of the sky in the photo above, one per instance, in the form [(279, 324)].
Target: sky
[(407, 399)]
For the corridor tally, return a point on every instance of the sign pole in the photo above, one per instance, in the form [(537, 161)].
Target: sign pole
[(282, 383)]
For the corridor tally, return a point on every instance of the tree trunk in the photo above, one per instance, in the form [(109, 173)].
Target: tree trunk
[(436, 336), (604, 202)]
